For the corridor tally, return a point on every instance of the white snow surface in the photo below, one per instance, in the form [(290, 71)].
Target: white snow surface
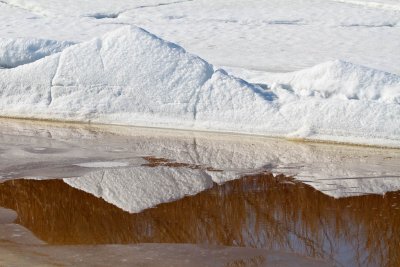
[(131, 77)]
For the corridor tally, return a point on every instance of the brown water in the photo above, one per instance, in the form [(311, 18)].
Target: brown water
[(258, 211)]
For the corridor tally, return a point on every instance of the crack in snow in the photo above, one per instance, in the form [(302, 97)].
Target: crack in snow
[(155, 5), (104, 15), (163, 4), (196, 102), (99, 44), (389, 25), (50, 96)]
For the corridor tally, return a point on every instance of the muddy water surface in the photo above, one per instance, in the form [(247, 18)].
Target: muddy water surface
[(86, 195), (260, 211)]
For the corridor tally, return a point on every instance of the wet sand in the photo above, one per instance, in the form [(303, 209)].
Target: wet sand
[(259, 211)]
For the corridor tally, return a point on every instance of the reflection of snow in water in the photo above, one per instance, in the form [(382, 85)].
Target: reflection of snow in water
[(256, 211), (102, 164), (136, 189), (39, 148), (92, 156)]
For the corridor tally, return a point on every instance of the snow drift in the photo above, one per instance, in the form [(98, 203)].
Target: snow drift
[(132, 77)]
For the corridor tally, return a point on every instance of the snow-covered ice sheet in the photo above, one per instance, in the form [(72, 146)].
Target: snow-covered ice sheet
[(47, 151), (273, 35), (131, 77)]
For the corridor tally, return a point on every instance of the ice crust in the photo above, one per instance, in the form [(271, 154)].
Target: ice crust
[(129, 76)]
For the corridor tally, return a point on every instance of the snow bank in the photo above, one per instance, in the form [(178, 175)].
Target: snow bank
[(15, 52), (132, 77)]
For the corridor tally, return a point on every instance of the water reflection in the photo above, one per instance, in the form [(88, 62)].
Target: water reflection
[(52, 150), (259, 211)]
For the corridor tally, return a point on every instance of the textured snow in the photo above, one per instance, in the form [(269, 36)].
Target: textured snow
[(131, 77)]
